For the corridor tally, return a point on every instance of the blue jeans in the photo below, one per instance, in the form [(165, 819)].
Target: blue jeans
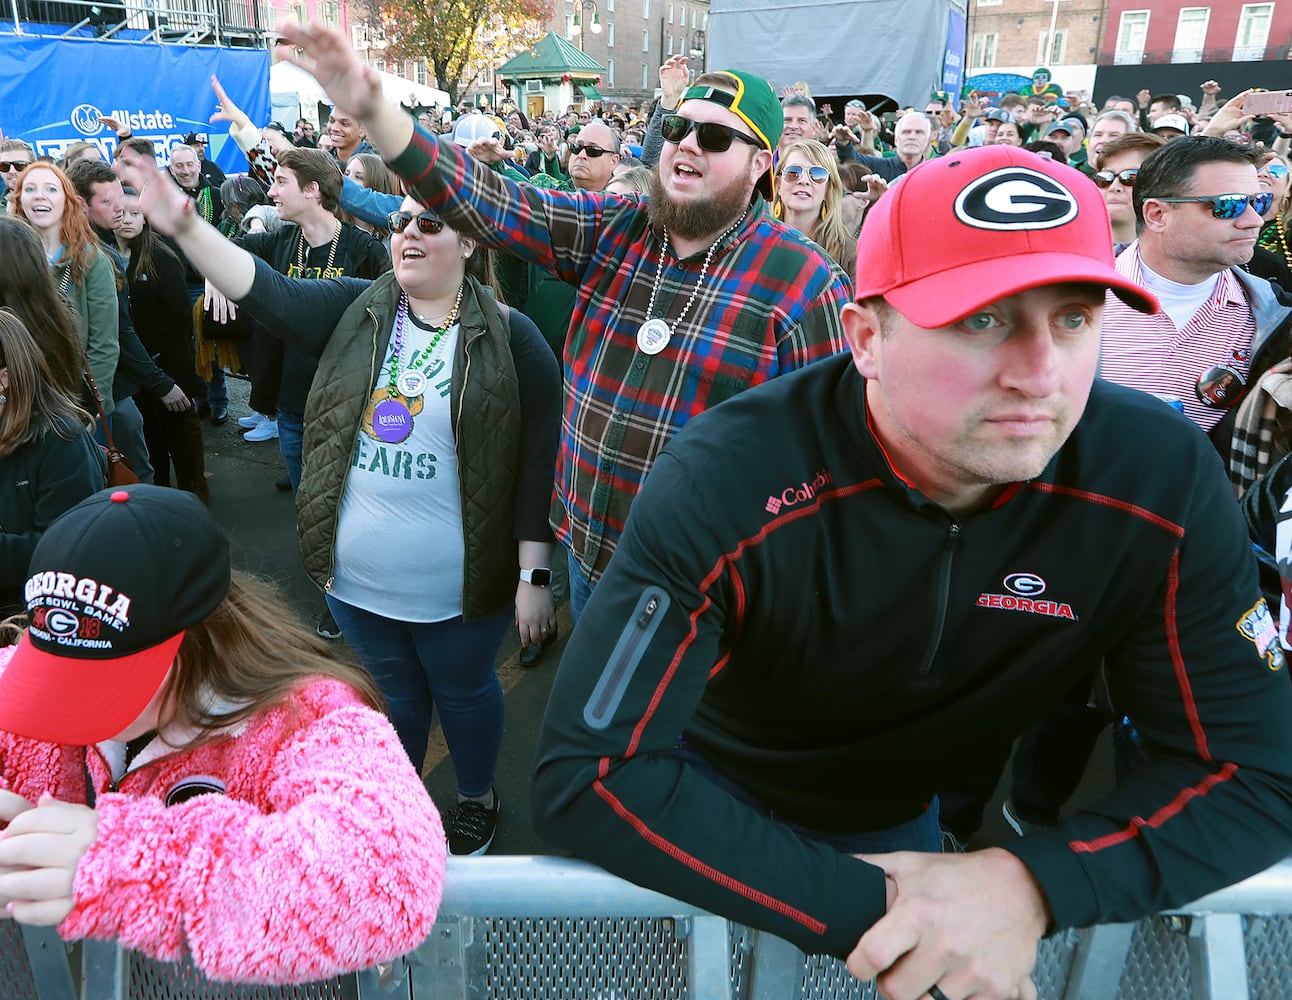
[(291, 435), (448, 665), (923, 833), (580, 588), (217, 393), (127, 426)]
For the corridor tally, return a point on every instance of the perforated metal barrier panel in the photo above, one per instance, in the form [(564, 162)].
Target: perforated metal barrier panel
[(149, 980), (16, 982), (548, 929), (615, 958)]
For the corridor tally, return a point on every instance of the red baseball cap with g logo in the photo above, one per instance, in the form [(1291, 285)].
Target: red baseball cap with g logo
[(979, 225)]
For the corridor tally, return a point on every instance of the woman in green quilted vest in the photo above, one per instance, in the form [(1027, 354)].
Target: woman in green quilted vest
[(430, 443)]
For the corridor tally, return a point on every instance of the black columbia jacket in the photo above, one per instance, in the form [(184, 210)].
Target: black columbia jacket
[(840, 647)]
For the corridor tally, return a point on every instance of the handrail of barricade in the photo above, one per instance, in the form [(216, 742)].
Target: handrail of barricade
[(1267, 893), (541, 886), (481, 892)]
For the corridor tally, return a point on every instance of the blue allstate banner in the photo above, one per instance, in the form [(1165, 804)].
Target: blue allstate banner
[(52, 92), (953, 69)]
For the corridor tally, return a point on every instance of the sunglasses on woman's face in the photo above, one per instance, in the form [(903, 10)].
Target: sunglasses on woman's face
[(1228, 206), (428, 223), (818, 175), (1105, 178), (712, 137), (1275, 169)]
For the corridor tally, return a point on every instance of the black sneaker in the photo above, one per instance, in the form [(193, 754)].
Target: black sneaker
[(327, 627), (470, 827)]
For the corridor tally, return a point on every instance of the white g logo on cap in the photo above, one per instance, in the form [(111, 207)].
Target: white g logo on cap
[(60, 622), (1015, 198)]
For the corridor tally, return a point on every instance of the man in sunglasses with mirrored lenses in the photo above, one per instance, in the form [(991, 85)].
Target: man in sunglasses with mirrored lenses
[(1198, 204), (687, 296)]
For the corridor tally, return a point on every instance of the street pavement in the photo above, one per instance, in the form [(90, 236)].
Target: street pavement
[(261, 522)]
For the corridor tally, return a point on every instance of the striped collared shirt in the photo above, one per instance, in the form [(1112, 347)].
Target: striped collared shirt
[(1151, 354), (769, 304)]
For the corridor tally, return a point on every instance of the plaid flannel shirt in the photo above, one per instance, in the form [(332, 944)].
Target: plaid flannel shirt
[(769, 304)]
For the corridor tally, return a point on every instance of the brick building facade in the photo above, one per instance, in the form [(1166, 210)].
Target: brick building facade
[(636, 36), (1014, 36)]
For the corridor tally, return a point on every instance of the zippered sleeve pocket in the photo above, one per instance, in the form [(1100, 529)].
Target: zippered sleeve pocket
[(627, 654)]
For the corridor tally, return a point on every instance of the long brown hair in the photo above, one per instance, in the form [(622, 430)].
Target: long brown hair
[(251, 651), (377, 176), (33, 404), (27, 288), (75, 233), (145, 249), (828, 230)]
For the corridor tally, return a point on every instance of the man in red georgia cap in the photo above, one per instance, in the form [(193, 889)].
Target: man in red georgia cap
[(839, 592)]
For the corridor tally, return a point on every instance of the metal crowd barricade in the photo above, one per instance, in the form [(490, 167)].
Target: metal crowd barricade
[(538, 928)]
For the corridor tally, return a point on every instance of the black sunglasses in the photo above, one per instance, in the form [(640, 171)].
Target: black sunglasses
[(1228, 206), (596, 152), (428, 223), (711, 136), (7, 165), (1105, 178)]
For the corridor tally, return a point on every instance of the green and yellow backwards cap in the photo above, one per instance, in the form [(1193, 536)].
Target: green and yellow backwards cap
[(754, 103)]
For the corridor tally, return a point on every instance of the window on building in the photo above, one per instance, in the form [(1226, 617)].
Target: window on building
[(359, 32), (419, 73), (695, 17), (610, 73), (1131, 33), (646, 8), (610, 34), (1050, 51), (1190, 34), (645, 77), (983, 53), (646, 40), (299, 10), (681, 15), (330, 13), (670, 13), (610, 5), (670, 44), (1253, 31), (379, 65)]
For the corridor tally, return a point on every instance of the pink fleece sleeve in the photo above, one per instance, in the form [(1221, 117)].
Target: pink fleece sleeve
[(343, 869)]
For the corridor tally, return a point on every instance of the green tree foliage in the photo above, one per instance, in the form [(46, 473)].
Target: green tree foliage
[(458, 38)]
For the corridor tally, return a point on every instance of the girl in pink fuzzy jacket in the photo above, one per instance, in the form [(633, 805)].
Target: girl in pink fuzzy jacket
[(184, 769)]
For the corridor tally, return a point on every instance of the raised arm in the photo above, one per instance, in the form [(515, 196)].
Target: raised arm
[(301, 312), (555, 230), (228, 267), (354, 85)]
